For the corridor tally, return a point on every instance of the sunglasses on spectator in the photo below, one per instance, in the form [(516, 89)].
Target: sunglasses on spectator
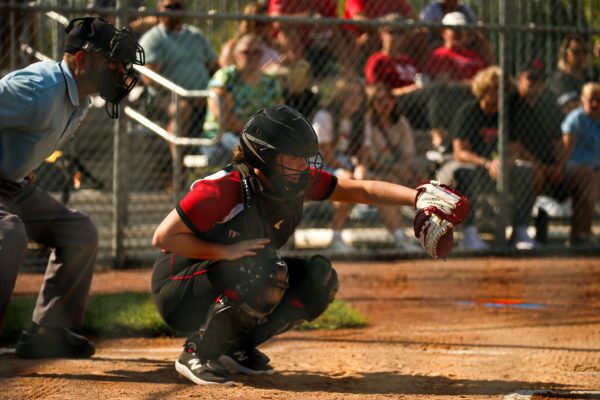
[(173, 6)]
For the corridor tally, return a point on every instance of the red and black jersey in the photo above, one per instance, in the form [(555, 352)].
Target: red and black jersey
[(214, 208)]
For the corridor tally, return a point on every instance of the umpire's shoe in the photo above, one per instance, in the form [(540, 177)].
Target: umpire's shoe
[(44, 342), (247, 361), (201, 371)]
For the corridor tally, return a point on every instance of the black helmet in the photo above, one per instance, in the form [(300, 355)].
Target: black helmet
[(280, 130)]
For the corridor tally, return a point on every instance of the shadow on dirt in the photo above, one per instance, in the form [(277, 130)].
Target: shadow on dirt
[(296, 381), (389, 383)]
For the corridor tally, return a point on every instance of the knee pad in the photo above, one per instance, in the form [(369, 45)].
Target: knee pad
[(264, 284), (319, 288), (225, 324)]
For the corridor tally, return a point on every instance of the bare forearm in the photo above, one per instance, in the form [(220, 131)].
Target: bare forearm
[(373, 192)]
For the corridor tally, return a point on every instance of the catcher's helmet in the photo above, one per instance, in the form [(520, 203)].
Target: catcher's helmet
[(280, 130)]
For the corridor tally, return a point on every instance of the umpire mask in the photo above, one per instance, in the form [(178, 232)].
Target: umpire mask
[(120, 51)]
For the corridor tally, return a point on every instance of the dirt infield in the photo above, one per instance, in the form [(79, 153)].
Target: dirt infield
[(465, 328)]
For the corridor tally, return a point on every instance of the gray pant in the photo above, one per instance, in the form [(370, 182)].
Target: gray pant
[(28, 213)]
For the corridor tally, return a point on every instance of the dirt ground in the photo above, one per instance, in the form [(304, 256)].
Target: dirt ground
[(461, 329)]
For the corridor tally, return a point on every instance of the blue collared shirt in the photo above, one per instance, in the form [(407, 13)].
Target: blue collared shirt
[(39, 109)]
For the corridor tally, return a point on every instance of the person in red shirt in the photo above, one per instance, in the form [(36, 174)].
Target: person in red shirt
[(220, 274), (452, 61), (391, 66)]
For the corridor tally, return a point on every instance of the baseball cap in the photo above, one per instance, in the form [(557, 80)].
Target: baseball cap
[(454, 18), (535, 68), (89, 34)]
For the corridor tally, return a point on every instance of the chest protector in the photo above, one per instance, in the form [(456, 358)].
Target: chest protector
[(263, 215)]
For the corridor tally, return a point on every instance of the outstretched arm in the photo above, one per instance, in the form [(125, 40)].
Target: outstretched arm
[(373, 192)]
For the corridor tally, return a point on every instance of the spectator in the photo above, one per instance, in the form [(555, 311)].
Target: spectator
[(340, 128), (452, 61), (182, 54), (475, 167), (243, 89), (437, 10), (295, 75), (364, 41), (572, 72), (319, 43), (391, 66), (537, 125), (391, 154), (259, 28), (581, 135)]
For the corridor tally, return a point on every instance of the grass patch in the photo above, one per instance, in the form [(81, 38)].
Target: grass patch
[(133, 314)]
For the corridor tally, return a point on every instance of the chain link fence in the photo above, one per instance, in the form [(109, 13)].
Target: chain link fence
[(484, 99)]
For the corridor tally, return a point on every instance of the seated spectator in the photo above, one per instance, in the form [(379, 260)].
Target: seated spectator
[(363, 41), (259, 28), (391, 154), (319, 43), (437, 10), (295, 76), (391, 66), (537, 124), (452, 61), (340, 127), (183, 55), (475, 167), (572, 72), (243, 88), (581, 135)]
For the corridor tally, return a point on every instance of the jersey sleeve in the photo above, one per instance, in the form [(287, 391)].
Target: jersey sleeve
[(321, 185), (208, 203)]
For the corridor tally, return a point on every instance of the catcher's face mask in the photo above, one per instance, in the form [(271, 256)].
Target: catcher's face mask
[(289, 176), (120, 51)]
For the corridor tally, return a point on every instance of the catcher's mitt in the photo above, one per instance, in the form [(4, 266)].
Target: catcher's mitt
[(439, 208)]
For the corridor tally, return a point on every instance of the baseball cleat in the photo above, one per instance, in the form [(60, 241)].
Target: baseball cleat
[(201, 371), (247, 361)]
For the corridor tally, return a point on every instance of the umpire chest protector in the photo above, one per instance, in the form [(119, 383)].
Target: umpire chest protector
[(263, 216)]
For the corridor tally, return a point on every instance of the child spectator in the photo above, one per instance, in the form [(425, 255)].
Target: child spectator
[(581, 135), (340, 127), (391, 146)]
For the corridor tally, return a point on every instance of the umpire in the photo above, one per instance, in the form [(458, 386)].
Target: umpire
[(40, 107)]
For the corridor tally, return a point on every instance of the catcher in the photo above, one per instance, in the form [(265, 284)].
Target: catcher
[(220, 275)]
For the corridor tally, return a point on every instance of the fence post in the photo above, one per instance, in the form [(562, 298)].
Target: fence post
[(505, 44), (177, 152), (120, 198)]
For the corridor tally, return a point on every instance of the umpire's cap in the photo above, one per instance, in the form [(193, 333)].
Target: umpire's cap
[(89, 34), (95, 34), (274, 130)]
